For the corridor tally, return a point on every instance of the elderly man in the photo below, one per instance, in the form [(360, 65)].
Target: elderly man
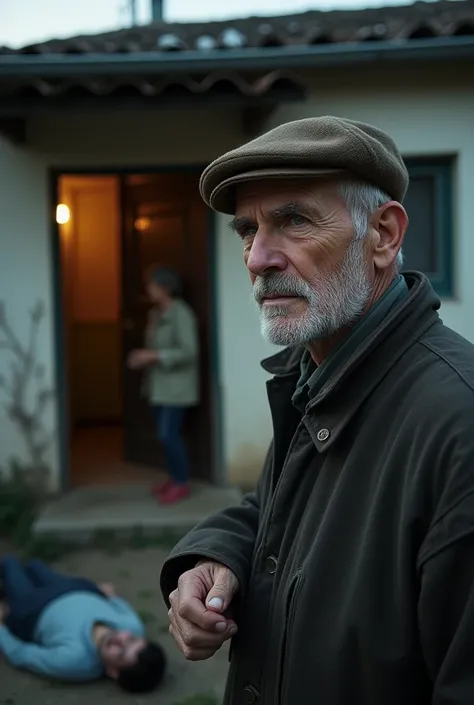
[(347, 578)]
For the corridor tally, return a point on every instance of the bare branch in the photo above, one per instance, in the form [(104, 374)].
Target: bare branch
[(10, 338), (25, 369)]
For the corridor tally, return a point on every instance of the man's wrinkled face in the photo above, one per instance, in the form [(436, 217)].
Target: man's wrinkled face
[(310, 275)]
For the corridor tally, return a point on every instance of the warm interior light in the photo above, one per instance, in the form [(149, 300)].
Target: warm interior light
[(62, 214), (142, 224)]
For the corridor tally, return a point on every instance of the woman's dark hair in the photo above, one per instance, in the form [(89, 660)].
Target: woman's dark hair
[(147, 673), (166, 277)]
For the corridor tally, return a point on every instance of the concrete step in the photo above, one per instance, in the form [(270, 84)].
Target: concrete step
[(78, 516)]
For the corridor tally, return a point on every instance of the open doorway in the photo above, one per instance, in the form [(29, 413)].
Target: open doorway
[(112, 228)]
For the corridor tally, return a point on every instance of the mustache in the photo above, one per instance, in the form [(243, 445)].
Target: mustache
[(279, 285)]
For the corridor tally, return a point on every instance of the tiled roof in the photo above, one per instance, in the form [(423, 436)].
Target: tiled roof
[(276, 84), (421, 20)]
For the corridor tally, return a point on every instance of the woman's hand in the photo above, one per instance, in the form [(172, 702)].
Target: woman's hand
[(141, 358)]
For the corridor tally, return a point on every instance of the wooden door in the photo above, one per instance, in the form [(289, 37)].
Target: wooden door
[(165, 223)]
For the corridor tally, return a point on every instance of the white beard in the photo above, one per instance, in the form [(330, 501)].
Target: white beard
[(332, 304)]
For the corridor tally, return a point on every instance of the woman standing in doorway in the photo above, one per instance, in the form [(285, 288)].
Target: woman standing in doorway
[(170, 359)]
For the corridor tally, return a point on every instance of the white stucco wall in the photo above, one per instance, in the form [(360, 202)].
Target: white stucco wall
[(424, 119), (25, 278)]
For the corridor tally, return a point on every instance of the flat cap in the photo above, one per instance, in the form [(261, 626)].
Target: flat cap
[(318, 146)]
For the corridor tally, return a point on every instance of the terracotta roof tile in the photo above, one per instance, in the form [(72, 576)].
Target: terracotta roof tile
[(217, 83)]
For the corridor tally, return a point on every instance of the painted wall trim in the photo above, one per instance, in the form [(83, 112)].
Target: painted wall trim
[(60, 371)]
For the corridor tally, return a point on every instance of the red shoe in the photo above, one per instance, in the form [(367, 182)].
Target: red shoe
[(161, 487), (175, 493)]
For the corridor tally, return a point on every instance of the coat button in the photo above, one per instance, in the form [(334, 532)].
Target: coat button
[(323, 434), (251, 695), (271, 564)]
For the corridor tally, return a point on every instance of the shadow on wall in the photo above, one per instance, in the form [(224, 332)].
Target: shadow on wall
[(25, 394)]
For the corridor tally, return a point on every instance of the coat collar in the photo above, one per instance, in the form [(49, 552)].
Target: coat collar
[(284, 362), (336, 403)]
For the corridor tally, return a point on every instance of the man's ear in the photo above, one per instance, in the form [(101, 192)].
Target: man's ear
[(390, 222), (112, 673)]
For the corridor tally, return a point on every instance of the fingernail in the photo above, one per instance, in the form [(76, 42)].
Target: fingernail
[(221, 626), (216, 602), (232, 631)]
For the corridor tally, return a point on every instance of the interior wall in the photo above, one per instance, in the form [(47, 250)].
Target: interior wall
[(90, 246)]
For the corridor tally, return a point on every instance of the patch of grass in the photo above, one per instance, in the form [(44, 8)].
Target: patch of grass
[(106, 540), (146, 594), (109, 542), (18, 511), (19, 504), (146, 616), (56, 684), (71, 568), (138, 541), (124, 574), (166, 539), (47, 548), (199, 699)]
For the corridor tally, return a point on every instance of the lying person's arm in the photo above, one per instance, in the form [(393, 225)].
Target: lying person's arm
[(108, 589), (59, 662)]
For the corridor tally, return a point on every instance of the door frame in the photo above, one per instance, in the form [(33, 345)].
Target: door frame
[(217, 475)]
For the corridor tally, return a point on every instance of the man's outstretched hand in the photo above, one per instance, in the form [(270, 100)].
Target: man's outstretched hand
[(199, 621), (108, 589)]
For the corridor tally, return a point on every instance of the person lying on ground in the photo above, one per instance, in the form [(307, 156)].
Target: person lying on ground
[(73, 630)]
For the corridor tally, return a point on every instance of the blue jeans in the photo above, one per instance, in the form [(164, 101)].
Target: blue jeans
[(169, 424), (29, 589)]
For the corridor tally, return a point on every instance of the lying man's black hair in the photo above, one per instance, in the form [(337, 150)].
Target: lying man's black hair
[(147, 673)]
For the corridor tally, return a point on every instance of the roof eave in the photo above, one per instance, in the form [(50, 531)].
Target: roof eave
[(58, 65)]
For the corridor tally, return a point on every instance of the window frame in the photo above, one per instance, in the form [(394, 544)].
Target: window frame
[(441, 169)]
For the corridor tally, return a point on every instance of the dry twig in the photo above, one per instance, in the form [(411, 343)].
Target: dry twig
[(25, 382)]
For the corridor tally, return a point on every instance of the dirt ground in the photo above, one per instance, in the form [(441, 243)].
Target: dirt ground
[(135, 574)]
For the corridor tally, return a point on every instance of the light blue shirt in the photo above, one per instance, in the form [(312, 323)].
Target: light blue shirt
[(63, 645)]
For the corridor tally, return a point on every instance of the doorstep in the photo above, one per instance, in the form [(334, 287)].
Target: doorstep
[(83, 512)]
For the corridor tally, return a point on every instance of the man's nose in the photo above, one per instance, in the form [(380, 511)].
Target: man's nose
[(123, 636), (264, 254)]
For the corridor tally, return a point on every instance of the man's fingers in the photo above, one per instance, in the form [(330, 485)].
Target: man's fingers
[(194, 646), (188, 603), (192, 635), (189, 653), (198, 614), (193, 610), (222, 592)]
